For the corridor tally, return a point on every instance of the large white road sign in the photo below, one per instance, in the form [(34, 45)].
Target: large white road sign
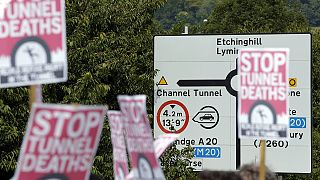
[(195, 95)]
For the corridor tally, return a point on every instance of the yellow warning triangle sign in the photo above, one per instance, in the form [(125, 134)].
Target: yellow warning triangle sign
[(163, 81)]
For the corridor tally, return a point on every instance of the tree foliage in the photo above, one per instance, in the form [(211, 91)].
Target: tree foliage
[(14, 115), (185, 12), (311, 9), (109, 53), (175, 163), (253, 16), (316, 77)]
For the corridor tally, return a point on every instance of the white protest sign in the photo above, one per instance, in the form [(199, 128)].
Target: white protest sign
[(139, 138), (263, 99), (120, 159), (60, 142), (32, 42)]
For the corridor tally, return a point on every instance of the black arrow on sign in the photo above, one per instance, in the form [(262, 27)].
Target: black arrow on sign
[(212, 82)]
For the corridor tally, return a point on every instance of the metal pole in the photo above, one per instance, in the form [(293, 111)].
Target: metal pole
[(186, 30)]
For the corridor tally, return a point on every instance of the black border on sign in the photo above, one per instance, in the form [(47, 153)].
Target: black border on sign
[(237, 136), (54, 176), (261, 102), (311, 99), (142, 156), (30, 39)]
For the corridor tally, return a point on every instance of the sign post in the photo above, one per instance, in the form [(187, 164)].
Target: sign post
[(32, 96), (262, 168)]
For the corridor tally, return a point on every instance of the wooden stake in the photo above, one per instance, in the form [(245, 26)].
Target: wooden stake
[(262, 169), (35, 94), (32, 95)]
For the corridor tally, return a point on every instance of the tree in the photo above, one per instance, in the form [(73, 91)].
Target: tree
[(316, 78), (201, 8), (14, 112), (185, 12), (311, 8), (109, 53), (172, 12), (252, 16)]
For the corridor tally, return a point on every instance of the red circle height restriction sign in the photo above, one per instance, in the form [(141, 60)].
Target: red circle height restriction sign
[(172, 117)]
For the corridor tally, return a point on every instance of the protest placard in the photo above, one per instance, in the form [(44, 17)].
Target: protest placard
[(60, 142), (160, 146), (263, 98), (32, 42), (163, 142), (139, 138), (120, 158)]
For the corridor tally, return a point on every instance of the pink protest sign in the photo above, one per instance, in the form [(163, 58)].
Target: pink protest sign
[(60, 142), (32, 42), (163, 142), (263, 98), (160, 146), (120, 159), (139, 138)]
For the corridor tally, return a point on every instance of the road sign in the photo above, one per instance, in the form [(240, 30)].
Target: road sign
[(172, 117), (201, 73), (32, 42)]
